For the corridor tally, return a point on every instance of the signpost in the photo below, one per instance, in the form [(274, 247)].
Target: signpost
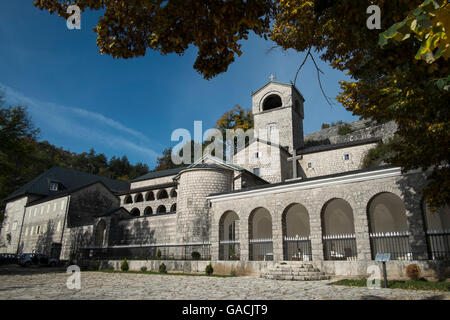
[(383, 257)]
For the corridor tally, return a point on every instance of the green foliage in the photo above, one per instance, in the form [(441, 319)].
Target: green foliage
[(143, 269), (23, 157), (429, 23), (344, 129), (413, 272), (124, 266), (158, 253), (381, 153), (195, 255), (209, 270), (399, 284), (162, 268), (325, 126)]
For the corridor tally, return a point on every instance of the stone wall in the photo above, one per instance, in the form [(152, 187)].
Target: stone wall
[(43, 225), (333, 161), (12, 225), (195, 184), (356, 190)]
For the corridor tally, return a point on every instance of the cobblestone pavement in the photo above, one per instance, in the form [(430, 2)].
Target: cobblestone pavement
[(51, 284)]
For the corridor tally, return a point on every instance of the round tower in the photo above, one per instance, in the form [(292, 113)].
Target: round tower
[(195, 184)]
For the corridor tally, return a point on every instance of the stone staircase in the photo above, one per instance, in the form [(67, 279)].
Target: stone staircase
[(290, 270)]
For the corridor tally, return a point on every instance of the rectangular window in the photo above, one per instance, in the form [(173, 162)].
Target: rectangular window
[(62, 205), (346, 156), (54, 206), (256, 171), (309, 165), (256, 155), (38, 229), (14, 226), (53, 186), (26, 231)]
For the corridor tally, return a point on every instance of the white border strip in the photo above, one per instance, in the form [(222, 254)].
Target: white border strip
[(378, 174)]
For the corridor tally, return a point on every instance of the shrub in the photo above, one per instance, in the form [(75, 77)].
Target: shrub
[(233, 273), (124, 266), (345, 129), (209, 270), (325, 125), (195, 255), (143, 269), (158, 253), (162, 268), (413, 272), (95, 266)]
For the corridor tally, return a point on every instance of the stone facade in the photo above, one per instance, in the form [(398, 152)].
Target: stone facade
[(254, 202)]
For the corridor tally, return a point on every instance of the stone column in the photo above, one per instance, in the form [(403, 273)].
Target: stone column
[(277, 235), (362, 233), (316, 235), (244, 236)]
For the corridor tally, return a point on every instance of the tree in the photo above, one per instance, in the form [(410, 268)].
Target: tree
[(406, 81), (129, 27)]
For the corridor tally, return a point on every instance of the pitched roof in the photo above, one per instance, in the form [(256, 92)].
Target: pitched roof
[(69, 179), (158, 174)]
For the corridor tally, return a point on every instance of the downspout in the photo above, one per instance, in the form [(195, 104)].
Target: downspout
[(21, 227), (64, 223)]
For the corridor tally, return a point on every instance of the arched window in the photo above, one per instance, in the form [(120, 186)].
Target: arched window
[(229, 246), (100, 233), (338, 231), (148, 211), (388, 226), (173, 208), (296, 232), (139, 197), (162, 194), (437, 228), (135, 212), (260, 234), (161, 209), (128, 199), (271, 102), (150, 196), (173, 193)]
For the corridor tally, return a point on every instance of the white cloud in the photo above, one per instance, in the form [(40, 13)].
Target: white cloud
[(83, 124)]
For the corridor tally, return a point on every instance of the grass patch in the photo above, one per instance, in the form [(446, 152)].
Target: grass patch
[(399, 284), (168, 274)]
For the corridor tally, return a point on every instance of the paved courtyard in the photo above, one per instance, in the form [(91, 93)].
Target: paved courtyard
[(51, 284)]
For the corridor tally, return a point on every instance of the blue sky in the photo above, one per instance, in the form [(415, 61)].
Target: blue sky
[(81, 99)]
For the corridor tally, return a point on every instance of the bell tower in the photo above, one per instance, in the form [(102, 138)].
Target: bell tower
[(279, 105)]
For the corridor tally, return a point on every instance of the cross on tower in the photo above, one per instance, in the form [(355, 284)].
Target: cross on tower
[(272, 77)]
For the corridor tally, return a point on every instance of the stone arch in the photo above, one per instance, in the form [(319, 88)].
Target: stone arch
[(135, 212), (260, 235), (229, 226), (386, 213), (162, 194), (338, 230), (150, 196), (260, 224), (438, 220), (437, 229), (148, 211), (161, 209), (337, 217), (272, 101), (138, 198), (173, 208), (229, 246), (296, 232), (173, 193), (128, 199), (100, 233)]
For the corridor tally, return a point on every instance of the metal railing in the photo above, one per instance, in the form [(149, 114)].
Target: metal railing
[(339, 247), (187, 251), (261, 249), (229, 250), (395, 243), (438, 244), (297, 248)]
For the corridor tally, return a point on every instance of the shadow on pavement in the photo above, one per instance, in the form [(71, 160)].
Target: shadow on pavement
[(14, 269)]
